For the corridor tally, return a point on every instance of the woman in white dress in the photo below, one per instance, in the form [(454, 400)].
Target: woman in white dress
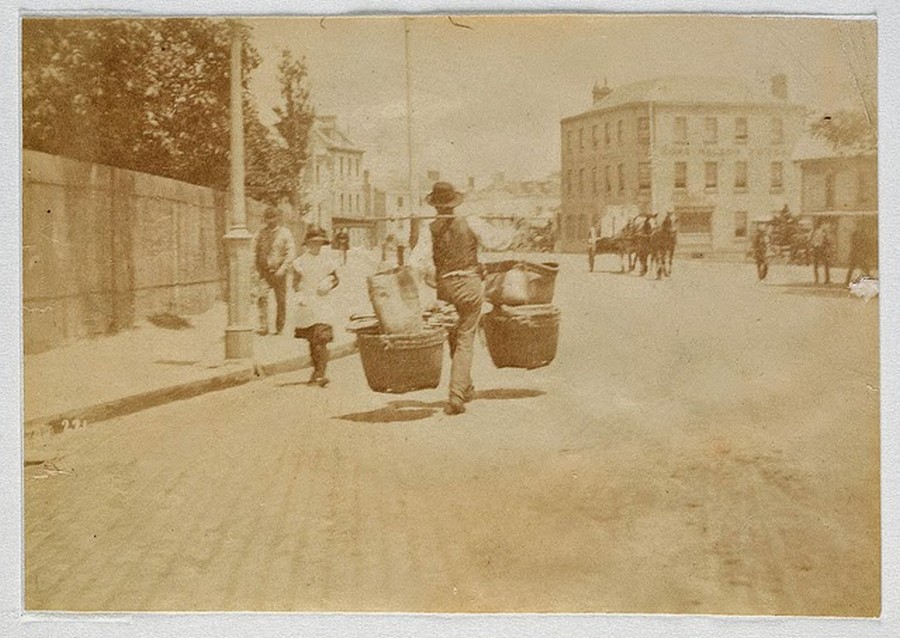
[(315, 277)]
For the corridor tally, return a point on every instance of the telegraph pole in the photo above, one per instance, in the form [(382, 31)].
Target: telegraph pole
[(239, 331), (413, 199)]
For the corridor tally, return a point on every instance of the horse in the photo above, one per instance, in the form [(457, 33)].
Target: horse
[(661, 248)]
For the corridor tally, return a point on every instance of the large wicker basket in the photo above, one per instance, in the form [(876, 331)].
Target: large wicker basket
[(522, 336), (398, 363)]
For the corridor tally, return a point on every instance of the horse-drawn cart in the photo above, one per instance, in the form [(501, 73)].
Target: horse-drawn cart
[(614, 245), (636, 243)]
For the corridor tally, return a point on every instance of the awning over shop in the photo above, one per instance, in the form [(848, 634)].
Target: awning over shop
[(351, 222)]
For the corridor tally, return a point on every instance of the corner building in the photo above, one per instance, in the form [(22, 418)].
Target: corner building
[(716, 152)]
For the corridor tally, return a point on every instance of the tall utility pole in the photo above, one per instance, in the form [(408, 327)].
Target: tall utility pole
[(413, 195), (239, 331)]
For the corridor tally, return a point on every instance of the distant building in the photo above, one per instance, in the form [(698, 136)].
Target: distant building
[(716, 152), (509, 201), (840, 188), (335, 180)]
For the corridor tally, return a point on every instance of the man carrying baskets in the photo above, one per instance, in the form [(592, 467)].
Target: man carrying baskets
[(457, 277)]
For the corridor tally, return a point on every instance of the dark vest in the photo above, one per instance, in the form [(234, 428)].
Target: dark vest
[(454, 245)]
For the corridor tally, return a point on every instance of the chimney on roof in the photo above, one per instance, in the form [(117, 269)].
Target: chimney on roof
[(779, 86), (601, 93), (327, 122)]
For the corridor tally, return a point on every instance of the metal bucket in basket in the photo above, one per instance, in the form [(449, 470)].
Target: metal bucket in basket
[(398, 363), (522, 336), (520, 283)]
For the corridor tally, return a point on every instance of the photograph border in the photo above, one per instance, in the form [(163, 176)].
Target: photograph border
[(14, 621)]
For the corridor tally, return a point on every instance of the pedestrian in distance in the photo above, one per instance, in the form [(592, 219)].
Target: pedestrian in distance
[(273, 250), (859, 252), (820, 242), (343, 237), (315, 276), (457, 277), (760, 250)]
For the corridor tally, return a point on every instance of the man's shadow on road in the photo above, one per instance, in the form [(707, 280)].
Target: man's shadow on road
[(399, 411)]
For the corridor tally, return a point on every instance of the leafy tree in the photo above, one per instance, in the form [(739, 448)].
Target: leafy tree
[(146, 94), (295, 120), (847, 130)]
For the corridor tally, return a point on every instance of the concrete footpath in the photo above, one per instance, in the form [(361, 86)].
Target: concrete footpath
[(151, 364)]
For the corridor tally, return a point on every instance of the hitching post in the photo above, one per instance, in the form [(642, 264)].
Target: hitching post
[(239, 331)]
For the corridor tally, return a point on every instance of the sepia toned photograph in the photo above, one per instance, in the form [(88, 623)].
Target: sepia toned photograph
[(533, 313)]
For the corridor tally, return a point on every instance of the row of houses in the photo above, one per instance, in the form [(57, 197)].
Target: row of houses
[(341, 193), (718, 153), (721, 154)]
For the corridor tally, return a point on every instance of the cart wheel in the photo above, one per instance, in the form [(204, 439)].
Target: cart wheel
[(591, 253)]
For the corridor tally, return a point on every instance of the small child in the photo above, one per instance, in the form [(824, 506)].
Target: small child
[(315, 277)]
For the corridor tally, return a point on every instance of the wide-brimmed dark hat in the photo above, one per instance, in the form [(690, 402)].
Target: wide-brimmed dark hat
[(317, 234), (444, 195)]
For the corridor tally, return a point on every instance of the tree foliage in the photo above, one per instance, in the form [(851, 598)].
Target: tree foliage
[(847, 130), (146, 94)]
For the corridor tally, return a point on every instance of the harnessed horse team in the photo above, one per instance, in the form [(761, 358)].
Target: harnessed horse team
[(651, 246)]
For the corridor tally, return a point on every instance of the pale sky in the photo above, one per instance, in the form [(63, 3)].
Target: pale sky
[(489, 98)]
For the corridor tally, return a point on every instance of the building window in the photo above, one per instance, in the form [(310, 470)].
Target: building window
[(620, 175), (317, 172), (342, 202), (619, 136), (399, 202), (681, 133), (580, 180), (569, 182), (569, 141), (594, 180), (581, 138), (606, 179), (606, 134), (711, 130), (357, 167), (594, 139), (680, 174), (829, 191), (777, 130), (740, 224), (740, 175), (644, 179), (643, 130), (865, 187), (694, 222), (740, 130), (342, 167), (777, 175), (357, 200), (712, 175)]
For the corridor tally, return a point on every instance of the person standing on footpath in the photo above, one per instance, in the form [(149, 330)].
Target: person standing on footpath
[(821, 251), (457, 276), (315, 276), (859, 252), (760, 250), (273, 250)]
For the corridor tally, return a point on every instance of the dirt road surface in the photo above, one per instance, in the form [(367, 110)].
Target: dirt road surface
[(707, 444)]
